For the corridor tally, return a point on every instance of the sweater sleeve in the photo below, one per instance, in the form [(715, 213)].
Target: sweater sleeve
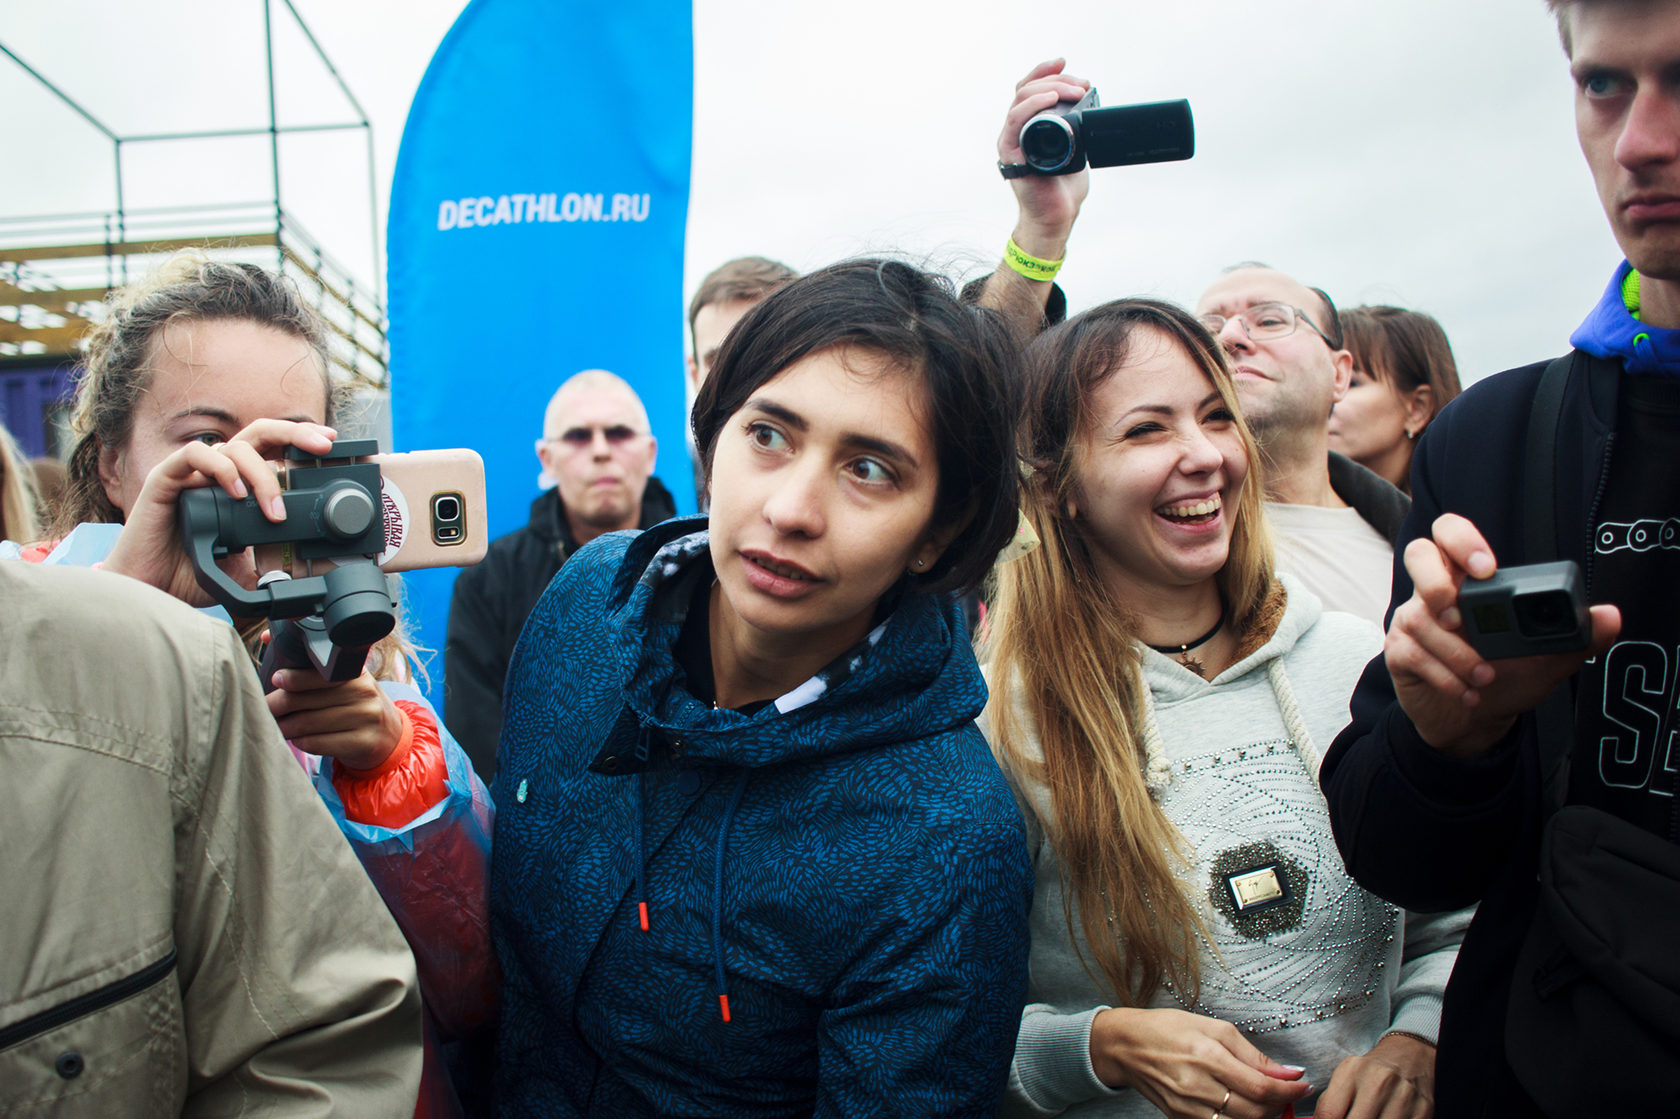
[(1052, 1068), (1424, 830), (1426, 963)]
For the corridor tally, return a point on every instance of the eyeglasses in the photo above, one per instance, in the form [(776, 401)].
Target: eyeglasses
[(1265, 321), (584, 436)]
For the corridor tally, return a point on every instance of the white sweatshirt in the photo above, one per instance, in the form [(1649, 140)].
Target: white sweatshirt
[(1310, 981)]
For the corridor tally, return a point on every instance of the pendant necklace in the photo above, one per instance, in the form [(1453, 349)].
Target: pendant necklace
[(1182, 652)]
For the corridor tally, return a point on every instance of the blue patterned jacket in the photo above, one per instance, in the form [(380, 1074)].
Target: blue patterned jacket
[(836, 888)]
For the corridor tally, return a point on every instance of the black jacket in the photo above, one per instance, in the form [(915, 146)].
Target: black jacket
[(491, 601), (1377, 500), (1426, 831)]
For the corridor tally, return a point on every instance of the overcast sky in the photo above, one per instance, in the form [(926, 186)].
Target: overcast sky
[(1420, 152)]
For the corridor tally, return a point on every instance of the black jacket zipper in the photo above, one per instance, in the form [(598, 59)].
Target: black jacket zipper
[(83, 1005), (1592, 510)]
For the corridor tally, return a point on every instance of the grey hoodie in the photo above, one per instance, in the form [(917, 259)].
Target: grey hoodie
[(1308, 982)]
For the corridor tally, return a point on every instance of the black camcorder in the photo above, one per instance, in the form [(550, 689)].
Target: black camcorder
[(1526, 611), (1067, 137)]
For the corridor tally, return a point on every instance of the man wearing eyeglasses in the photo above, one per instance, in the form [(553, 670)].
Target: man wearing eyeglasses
[(1333, 521), (598, 453)]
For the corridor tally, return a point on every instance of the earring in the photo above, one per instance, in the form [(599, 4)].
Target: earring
[(921, 563), (1410, 434)]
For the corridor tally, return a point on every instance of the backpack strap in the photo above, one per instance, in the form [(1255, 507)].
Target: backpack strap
[(1540, 474), (1554, 719)]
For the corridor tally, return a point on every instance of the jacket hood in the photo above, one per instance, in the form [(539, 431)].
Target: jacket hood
[(1169, 680), (912, 676), (1378, 501), (1611, 332)]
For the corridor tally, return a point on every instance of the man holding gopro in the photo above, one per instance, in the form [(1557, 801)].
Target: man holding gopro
[(1544, 786)]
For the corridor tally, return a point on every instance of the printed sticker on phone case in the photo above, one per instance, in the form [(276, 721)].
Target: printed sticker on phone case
[(396, 519)]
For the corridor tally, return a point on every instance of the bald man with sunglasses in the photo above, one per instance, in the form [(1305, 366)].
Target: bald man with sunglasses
[(598, 452)]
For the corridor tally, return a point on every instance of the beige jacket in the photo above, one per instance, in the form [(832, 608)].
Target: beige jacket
[(183, 931)]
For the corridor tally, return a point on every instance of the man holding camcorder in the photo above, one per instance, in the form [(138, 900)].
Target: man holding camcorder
[(1543, 784)]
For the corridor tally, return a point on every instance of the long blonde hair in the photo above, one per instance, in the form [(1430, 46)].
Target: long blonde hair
[(17, 493), (1065, 663)]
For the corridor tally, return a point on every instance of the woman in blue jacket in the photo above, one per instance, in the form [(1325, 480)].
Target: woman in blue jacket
[(754, 858)]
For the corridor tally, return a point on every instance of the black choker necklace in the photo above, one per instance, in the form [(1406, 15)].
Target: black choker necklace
[(1182, 652)]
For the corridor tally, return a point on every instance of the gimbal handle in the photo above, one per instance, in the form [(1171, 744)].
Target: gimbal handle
[(203, 533), (303, 643)]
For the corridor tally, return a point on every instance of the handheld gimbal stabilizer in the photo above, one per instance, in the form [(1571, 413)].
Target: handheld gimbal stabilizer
[(334, 513)]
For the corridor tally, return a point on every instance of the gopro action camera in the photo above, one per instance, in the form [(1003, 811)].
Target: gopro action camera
[(1526, 611)]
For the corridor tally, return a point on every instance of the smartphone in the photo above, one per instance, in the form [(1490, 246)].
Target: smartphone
[(433, 511)]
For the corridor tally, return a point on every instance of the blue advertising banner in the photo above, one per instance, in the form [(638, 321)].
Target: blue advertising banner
[(536, 230)]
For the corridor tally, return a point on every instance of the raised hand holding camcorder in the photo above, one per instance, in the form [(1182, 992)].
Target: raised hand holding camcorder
[(1053, 131), (1069, 135)]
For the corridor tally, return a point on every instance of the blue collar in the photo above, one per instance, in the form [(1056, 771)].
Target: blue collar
[(1611, 332)]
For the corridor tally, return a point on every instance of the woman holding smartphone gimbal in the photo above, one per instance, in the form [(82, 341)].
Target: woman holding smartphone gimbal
[(200, 375)]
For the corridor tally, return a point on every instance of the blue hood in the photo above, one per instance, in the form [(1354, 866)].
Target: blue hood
[(912, 676), (1610, 332), (816, 907)]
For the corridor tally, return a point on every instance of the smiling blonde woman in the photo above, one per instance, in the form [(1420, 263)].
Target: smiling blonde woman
[(1160, 698)]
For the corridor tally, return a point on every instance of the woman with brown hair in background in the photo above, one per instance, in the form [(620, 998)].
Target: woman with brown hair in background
[(1403, 375)]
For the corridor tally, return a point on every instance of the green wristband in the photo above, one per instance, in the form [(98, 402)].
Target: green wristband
[(1041, 271)]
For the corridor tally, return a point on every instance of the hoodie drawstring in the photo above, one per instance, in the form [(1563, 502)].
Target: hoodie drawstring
[(1293, 721), (717, 891), (1157, 772), (639, 886)]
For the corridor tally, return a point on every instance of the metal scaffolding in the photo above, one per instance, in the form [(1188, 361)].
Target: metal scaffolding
[(55, 270)]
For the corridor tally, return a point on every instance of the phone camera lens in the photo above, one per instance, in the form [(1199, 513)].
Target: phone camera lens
[(447, 518)]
